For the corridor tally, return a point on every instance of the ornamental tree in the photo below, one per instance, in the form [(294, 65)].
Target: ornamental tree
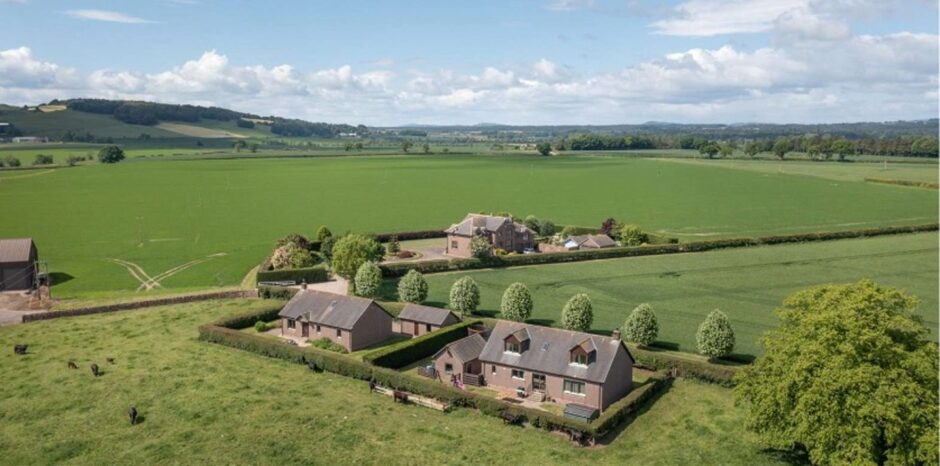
[(351, 251), (631, 235), (517, 303), (413, 288), (849, 376), (479, 247), (532, 222), (368, 279), (291, 256), (715, 337), (323, 232), (641, 326), (578, 313), (464, 296)]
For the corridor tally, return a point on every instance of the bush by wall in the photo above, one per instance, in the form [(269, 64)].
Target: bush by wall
[(410, 235), (276, 292), (315, 274), (408, 351)]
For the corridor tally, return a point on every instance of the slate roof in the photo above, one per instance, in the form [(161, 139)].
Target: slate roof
[(476, 223), (597, 241), (426, 314), (332, 310), (465, 349), (15, 249), (550, 351)]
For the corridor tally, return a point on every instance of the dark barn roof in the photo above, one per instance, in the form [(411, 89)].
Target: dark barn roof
[(16, 250), (333, 310), (426, 314)]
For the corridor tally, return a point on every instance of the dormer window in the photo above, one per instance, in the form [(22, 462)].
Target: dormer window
[(579, 358), (517, 342), (512, 347), (584, 353)]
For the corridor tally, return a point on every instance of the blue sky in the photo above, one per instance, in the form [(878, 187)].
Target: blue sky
[(519, 62)]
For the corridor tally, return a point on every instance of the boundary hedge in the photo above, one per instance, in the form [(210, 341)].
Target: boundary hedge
[(225, 332), (698, 370), (398, 269), (410, 235), (84, 311), (913, 184), (316, 274), (408, 351)]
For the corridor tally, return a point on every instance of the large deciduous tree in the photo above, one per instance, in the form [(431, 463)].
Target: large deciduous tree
[(110, 154), (578, 313), (849, 377), (351, 251), (517, 303), (464, 296)]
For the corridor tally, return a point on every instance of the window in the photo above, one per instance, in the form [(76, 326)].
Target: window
[(427, 327), (318, 328), (453, 245), (448, 368), (538, 382), (517, 374), (339, 333), (579, 358), (513, 347), (575, 388), (291, 323), (493, 370)]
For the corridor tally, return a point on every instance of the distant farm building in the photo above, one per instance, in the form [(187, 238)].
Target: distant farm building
[(28, 139), (17, 264)]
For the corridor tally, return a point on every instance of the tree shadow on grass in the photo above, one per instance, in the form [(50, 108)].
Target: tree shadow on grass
[(543, 322), (58, 278)]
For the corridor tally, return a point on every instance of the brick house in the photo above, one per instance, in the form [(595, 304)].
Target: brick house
[(549, 364), (416, 319), (353, 322), (500, 232)]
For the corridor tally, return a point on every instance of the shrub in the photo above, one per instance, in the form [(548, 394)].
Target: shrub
[(327, 344), (110, 154), (715, 336), (71, 160), (323, 233), (368, 280), (11, 161), (296, 239), (409, 351), (630, 235), (393, 246), (578, 313), (641, 326), (315, 274), (351, 251), (276, 292), (532, 222), (326, 247), (547, 228), (543, 148), (413, 287), (43, 160), (464, 296), (517, 303), (292, 256), (261, 326), (479, 247)]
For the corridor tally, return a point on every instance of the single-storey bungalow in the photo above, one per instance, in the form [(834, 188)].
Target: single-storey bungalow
[(589, 242), (17, 264), (352, 322), (550, 364), (417, 319)]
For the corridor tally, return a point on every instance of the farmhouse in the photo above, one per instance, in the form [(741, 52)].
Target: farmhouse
[(352, 322), (589, 242), (548, 364), (499, 232), (416, 319), (17, 264)]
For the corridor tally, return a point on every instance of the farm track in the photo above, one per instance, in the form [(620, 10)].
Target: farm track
[(147, 282)]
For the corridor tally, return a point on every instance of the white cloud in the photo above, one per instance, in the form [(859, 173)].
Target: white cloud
[(107, 16), (565, 5), (713, 17)]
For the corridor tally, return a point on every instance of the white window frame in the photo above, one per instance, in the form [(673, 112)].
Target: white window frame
[(513, 374), (568, 382)]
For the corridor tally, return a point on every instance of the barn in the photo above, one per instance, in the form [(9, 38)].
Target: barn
[(17, 264)]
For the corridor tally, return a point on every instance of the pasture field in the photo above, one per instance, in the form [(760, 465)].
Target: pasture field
[(747, 284), (218, 219), (206, 404), (909, 171)]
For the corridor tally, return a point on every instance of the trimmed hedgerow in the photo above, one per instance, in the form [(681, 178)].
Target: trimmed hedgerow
[(698, 370), (408, 351), (915, 184), (624, 407), (276, 292), (410, 235), (315, 274)]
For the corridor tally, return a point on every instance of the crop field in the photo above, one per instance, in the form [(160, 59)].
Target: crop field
[(163, 224), (205, 404), (747, 284), (909, 171)]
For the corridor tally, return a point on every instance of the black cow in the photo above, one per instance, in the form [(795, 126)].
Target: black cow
[(94, 370), (72, 365), (110, 360), (132, 413), (20, 349)]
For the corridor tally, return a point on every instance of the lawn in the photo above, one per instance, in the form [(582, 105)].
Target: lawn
[(222, 217), (207, 404), (747, 284)]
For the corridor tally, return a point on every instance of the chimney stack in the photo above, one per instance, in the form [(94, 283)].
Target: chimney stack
[(615, 334)]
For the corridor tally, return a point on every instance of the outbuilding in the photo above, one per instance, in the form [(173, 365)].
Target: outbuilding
[(416, 319), (17, 264)]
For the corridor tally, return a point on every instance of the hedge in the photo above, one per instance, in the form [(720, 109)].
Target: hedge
[(131, 305), (315, 274), (398, 269), (410, 235), (699, 370), (915, 184), (224, 332), (276, 292), (408, 351)]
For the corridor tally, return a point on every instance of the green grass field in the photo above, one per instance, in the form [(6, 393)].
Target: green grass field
[(747, 284), (909, 171), (207, 404), (226, 215)]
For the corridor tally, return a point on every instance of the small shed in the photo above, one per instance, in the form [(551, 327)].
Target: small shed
[(580, 412), (17, 264), (417, 319)]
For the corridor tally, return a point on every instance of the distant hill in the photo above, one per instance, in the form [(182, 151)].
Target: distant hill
[(97, 120)]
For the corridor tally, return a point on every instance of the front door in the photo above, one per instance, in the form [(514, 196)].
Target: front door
[(304, 329), (416, 329)]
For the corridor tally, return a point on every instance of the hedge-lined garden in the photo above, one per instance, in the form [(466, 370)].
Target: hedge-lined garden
[(409, 351), (226, 332)]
